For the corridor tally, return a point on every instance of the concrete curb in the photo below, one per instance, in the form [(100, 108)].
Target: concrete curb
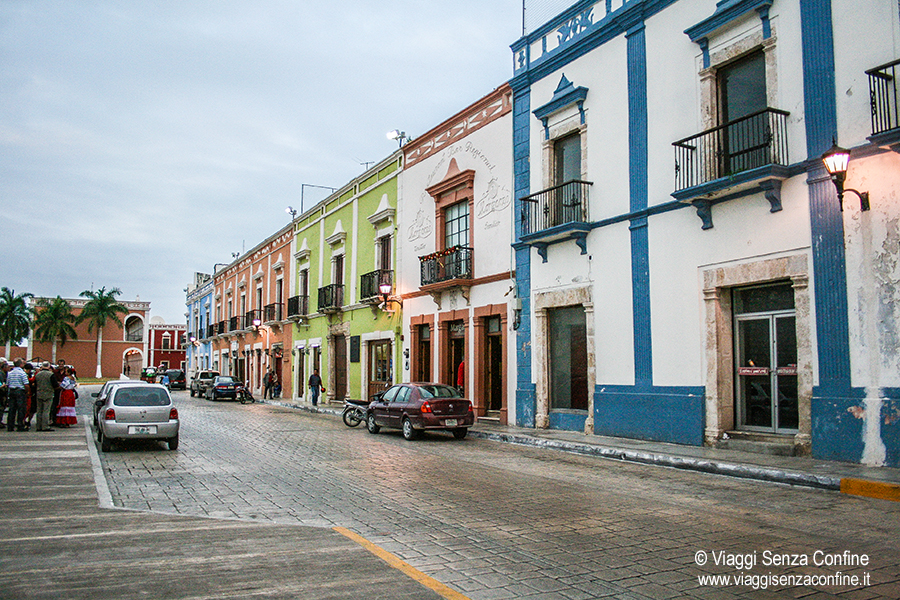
[(666, 460)]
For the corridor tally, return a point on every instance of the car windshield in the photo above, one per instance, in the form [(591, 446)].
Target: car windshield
[(438, 391), (141, 396), (225, 380)]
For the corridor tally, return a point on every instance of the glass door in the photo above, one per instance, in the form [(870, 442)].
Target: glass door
[(766, 378)]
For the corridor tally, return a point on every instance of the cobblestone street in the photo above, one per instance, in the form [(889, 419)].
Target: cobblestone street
[(493, 520)]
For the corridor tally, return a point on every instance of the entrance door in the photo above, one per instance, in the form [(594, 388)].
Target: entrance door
[(457, 353), (494, 373), (340, 367), (568, 358), (766, 360), (379, 366), (423, 354), (301, 374)]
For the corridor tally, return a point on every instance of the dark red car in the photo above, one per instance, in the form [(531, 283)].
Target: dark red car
[(414, 407)]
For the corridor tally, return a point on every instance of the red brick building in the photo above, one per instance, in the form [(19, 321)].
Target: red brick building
[(166, 344)]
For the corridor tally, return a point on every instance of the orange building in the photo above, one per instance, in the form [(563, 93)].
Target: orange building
[(249, 328), (124, 349)]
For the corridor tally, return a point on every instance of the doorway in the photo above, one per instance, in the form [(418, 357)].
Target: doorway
[(457, 353), (766, 359), (301, 372), (380, 375), (340, 367), (494, 374), (568, 358)]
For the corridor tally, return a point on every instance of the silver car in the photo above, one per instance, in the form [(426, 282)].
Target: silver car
[(102, 396), (138, 412)]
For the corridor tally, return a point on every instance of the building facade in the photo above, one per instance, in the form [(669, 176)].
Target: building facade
[(344, 253), (199, 301), (249, 329), (686, 271), (167, 347), (125, 347), (455, 264)]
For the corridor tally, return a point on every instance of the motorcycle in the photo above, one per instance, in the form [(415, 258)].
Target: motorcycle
[(354, 412)]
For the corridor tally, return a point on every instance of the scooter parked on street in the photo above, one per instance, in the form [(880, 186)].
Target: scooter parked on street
[(354, 412)]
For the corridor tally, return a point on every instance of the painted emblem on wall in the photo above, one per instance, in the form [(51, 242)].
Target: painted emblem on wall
[(496, 198), (421, 227)]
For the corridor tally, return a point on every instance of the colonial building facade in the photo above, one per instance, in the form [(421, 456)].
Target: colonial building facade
[(686, 270), (456, 277), (199, 308), (167, 348), (344, 254)]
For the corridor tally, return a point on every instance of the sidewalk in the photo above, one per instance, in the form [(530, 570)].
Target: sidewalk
[(875, 482)]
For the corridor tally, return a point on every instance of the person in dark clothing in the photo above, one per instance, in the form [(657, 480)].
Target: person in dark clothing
[(315, 386)]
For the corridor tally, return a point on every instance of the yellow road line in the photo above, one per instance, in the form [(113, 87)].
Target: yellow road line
[(403, 567), (871, 489)]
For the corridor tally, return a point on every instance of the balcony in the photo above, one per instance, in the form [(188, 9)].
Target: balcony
[(370, 283), (555, 215), (736, 159), (235, 324), (297, 306), (273, 313), (446, 269), (884, 105), (331, 298), (251, 316), (210, 331), (221, 328)]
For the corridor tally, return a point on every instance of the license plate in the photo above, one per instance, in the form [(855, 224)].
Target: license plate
[(450, 422), (141, 429)]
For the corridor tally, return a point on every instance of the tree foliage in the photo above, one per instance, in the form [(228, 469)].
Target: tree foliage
[(15, 316)]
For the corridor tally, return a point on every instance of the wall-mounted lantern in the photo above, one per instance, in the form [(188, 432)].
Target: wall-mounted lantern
[(836, 161)]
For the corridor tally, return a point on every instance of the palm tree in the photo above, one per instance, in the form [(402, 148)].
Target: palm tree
[(101, 307), (53, 321), (15, 317)]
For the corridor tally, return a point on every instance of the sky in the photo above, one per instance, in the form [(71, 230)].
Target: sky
[(142, 141)]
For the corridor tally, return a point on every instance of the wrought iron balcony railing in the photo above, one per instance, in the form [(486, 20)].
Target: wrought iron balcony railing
[(210, 331), (883, 97), (235, 323), (565, 203), (221, 328), (370, 283), (298, 306), (273, 312), (251, 316), (331, 297), (753, 141), (445, 265)]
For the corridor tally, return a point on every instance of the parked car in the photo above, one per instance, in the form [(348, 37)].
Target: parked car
[(223, 386), (138, 412), (177, 380), (101, 396), (414, 407), (201, 381)]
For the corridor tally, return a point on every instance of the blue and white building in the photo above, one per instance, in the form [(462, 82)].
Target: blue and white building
[(199, 306), (685, 269)]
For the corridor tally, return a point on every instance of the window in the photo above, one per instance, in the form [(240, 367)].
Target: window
[(384, 253), (567, 155), (456, 225), (134, 329), (338, 269), (166, 341), (742, 87)]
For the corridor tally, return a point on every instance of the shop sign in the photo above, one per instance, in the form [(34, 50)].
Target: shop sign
[(753, 371)]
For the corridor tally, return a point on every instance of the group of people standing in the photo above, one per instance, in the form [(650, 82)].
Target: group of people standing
[(47, 392)]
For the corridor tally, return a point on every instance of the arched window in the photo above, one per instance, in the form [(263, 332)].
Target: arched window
[(134, 329)]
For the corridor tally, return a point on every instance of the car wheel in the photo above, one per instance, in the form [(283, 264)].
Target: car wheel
[(105, 443), (408, 432), (460, 433), (173, 443), (371, 425)]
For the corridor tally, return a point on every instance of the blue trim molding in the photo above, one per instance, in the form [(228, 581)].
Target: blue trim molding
[(728, 11), (661, 414), (566, 95)]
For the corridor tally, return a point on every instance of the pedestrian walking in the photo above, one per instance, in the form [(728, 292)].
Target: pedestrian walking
[(269, 383), (45, 388), (66, 414), (315, 386), (17, 391), (30, 399)]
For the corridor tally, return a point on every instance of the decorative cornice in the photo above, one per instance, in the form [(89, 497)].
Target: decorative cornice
[(490, 108), (383, 213)]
